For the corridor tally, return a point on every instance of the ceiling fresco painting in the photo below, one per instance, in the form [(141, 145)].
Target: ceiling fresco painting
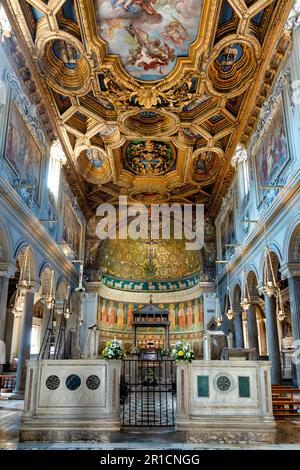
[(148, 35), (151, 97)]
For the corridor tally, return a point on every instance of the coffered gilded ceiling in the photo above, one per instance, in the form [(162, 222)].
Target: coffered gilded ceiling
[(151, 97)]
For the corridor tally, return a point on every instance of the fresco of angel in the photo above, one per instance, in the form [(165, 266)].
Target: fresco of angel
[(176, 32), (150, 54), (134, 6)]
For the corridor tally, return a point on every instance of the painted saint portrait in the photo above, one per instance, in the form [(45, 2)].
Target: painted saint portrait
[(21, 150), (149, 35), (71, 229), (228, 232), (273, 153)]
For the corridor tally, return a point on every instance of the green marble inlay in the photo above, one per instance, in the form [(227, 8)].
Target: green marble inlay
[(244, 387), (203, 386)]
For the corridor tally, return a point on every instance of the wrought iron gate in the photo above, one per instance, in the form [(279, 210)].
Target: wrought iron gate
[(148, 393)]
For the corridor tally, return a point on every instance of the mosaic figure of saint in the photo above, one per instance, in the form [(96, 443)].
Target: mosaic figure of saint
[(104, 312), (181, 316), (111, 314), (189, 315), (129, 315), (172, 316), (196, 312), (120, 316)]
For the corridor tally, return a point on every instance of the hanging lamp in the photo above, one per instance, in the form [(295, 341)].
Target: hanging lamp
[(270, 287)]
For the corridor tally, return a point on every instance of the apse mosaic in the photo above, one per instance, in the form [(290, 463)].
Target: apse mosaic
[(148, 35), (128, 260), (185, 316), (153, 286), (149, 157)]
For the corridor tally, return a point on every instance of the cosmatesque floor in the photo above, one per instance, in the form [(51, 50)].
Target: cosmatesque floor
[(287, 438)]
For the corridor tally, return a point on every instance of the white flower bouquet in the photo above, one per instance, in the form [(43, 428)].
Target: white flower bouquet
[(114, 350)]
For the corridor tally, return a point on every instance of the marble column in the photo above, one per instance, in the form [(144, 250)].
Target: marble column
[(262, 337), (167, 338), (76, 308), (3, 304), (3, 309), (294, 294), (272, 338), (24, 345), (238, 326), (252, 328)]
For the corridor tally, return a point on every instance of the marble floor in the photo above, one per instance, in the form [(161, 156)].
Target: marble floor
[(287, 438)]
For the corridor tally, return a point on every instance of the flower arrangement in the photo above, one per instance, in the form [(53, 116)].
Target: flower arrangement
[(181, 351), (114, 350), (164, 352), (135, 351)]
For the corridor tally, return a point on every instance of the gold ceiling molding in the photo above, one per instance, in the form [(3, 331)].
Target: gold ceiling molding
[(156, 196), (208, 101), (238, 78), (211, 159), (129, 257), (149, 183), (89, 168), (148, 122), (77, 80)]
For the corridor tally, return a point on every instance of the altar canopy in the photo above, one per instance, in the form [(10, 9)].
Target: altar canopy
[(151, 316)]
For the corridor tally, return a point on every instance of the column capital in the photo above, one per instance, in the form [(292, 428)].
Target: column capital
[(27, 289), (289, 270), (237, 309), (260, 290), (7, 270)]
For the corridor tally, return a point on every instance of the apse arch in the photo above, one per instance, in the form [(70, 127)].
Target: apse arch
[(252, 268), (33, 265), (62, 288), (45, 279), (252, 282), (5, 244), (236, 297), (274, 248), (292, 244)]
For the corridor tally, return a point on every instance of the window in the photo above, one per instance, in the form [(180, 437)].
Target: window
[(246, 179), (241, 161), (57, 157)]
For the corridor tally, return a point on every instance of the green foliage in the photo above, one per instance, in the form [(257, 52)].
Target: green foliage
[(181, 351), (114, 350)]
